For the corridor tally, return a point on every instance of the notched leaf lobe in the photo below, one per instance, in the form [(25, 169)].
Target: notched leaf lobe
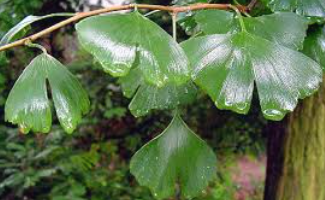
[(28, 103)]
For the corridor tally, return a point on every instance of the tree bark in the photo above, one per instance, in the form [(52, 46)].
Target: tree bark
[(296, 153)]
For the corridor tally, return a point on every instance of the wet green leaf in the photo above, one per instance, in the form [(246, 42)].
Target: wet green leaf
[(28, 104), (150, 97), (284, 28), (302, 7), (226, 66), (314, 45), (118, 40), (177, 155)]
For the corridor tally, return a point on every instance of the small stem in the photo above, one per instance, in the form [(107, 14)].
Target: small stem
[(174, 19), (240, 18), (196, 34), (152, 12), (247, 14), (66, 14), (34, 45), (251, 5), (244, 11), (135, 7), (236, 2)]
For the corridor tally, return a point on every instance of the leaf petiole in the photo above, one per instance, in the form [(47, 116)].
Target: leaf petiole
[(247, 14), (174, 19), (34, 45), (240, 17), (151, 13)]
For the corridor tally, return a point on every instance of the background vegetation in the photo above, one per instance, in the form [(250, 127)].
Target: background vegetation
[(93, 162)]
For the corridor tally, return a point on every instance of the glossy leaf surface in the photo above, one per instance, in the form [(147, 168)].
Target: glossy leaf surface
[(150, 97), (314, 45), (28, 104), (226, 67), (118, 40), (176, 156), (284, 28), (314, 8)]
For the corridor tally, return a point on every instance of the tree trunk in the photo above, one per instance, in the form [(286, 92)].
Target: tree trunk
[(296, 153)]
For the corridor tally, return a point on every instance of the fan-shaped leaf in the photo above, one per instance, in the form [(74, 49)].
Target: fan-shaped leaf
[(150, 97), (226, 66), (28, 104), (284, 28), (310, 8), (176, 156), (314, 45), (118, 40)]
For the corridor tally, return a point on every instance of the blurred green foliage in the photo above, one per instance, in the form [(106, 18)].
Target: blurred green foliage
[(93, 163), (13, 12)]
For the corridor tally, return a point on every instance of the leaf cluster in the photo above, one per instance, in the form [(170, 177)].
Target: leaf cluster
[(229, 56)]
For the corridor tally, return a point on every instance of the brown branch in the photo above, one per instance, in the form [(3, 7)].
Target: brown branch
[(79, 16)]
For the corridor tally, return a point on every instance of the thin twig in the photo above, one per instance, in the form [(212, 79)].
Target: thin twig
[(40, 47), (174, 19), (79, 16), (251, 5), (151, 13)]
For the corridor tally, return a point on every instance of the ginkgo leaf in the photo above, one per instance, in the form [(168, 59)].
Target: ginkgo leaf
[(284, 28), (314, 45), (117, 40), (150, 97), (28, 103), (311, 8), (227, 65), (177, 155)]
